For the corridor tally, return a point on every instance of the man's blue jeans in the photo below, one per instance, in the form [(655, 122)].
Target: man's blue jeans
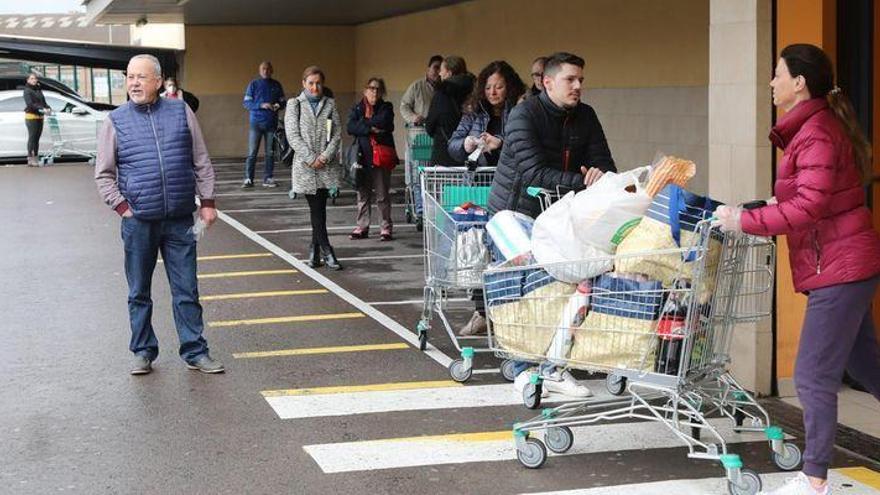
[(143, 240), (266, 132)]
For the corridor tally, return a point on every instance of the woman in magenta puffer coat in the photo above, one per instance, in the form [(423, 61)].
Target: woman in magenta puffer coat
[(833, 248)]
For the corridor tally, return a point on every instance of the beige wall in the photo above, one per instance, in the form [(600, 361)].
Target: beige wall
[(221, 60), (637, 43), (646, 78)]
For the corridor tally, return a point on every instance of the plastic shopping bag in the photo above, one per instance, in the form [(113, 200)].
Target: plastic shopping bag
[(560, 251), (511, 232), (603, 213), (469, 257)]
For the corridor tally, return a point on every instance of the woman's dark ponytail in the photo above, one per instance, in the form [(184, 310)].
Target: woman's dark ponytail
[(814, 65)]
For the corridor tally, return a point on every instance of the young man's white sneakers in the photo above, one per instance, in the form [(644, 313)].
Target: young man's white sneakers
[(562, 382), (522, 379), (799, 485)]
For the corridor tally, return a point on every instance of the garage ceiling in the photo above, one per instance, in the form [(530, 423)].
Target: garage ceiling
[(300, 12)]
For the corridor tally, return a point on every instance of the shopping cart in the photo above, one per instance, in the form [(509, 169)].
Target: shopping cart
[(455, 251), (73, 141), (667, 346), (418, 154)]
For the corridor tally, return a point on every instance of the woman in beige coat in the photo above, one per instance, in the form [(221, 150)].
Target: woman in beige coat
[(313, 129)]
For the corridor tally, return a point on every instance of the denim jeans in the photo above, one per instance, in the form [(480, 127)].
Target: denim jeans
[(266, 132), (143, 240)]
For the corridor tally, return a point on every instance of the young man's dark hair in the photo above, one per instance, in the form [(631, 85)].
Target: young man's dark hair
[(554, 62), (435, 59)]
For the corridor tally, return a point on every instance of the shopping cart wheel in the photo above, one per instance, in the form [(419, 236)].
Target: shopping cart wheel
[(508, 368), (532, 454), (695, 433), (615, 384), (459, 372), (532, 395), (423, 340), (790, 459), (559, 439), (750, 483), (409, 216), (420, 224)]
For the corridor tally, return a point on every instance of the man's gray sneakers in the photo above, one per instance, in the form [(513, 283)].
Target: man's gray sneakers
[(141, 365), (206, 364)]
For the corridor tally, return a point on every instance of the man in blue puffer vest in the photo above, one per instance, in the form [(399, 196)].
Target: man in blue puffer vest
[(263, 98), (152, 162)]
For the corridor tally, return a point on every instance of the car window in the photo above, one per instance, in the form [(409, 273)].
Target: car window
[(59, 105), (12, 105)]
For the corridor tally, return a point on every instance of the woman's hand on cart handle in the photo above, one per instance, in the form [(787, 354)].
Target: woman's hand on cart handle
[(727, 218), (591, 175)]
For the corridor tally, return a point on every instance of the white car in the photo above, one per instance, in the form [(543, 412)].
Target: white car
[(70, 131)]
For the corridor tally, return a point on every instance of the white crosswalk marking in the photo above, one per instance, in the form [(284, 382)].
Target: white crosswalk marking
[(840, 483), (498, 446), (345, 404)]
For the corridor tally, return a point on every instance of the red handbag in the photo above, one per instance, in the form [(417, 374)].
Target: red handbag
[(384, 156)]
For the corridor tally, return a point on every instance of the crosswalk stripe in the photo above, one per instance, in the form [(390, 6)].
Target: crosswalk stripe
[(322, 350), (406, 396), (285, 319), (359, 389), (246, 274), (499, 446), (837, 478), (276, 293)]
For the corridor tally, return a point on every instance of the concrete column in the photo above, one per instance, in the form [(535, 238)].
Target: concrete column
[(740, 67)]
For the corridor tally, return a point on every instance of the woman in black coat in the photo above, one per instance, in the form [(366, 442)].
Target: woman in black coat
[(444, 114), (371, 123), (35, 108)]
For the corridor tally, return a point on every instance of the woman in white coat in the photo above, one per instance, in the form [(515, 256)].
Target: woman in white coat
[(314, 131)]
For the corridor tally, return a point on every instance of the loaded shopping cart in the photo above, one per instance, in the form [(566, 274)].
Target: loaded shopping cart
[(456, 253), (659, 323), (417, 155), (70, 141)]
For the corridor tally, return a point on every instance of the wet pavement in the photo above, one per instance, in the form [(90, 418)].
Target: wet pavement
[(324, 390)]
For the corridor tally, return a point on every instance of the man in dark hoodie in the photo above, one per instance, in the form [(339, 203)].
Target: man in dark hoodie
[(456, 85)]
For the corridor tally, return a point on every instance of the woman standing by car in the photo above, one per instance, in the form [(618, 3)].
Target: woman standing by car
[(313, 130), (35, 108), (834, 250), (371, 122)]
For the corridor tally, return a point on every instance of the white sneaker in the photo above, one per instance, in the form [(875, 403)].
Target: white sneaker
[(799, 485), (562, 382), (519, 383)]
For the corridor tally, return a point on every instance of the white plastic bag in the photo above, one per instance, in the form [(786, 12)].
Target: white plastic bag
[(469, 257), (510, 231), (560, 251), (606, 208)]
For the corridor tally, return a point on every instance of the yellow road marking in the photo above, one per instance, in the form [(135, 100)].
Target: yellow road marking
[(377, 387), (231, 256), (246, 274), (485, 436), (286, 319), (277, 293), (863, 475), (321, 350)]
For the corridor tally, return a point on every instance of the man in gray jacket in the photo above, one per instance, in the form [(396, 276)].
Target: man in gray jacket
[(152, 162), (417, 99)]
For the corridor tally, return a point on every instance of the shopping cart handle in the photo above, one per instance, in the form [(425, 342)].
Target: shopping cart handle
[(535, 191)]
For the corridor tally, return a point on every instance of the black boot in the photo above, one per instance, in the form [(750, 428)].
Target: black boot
[(330, 258), (314, 260)]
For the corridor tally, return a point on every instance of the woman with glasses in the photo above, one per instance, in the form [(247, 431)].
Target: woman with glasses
[(313, 130), (371, 123), (537, 77)]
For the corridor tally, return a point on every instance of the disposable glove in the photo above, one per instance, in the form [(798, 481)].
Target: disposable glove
[(727, 218)]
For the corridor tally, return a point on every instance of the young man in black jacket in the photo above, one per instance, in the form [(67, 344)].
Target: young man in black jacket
[(551, 140)]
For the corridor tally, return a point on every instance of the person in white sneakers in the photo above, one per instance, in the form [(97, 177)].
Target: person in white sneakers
[(554, 380)]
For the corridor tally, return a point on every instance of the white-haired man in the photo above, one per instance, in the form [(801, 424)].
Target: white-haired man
[(152, 162)]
